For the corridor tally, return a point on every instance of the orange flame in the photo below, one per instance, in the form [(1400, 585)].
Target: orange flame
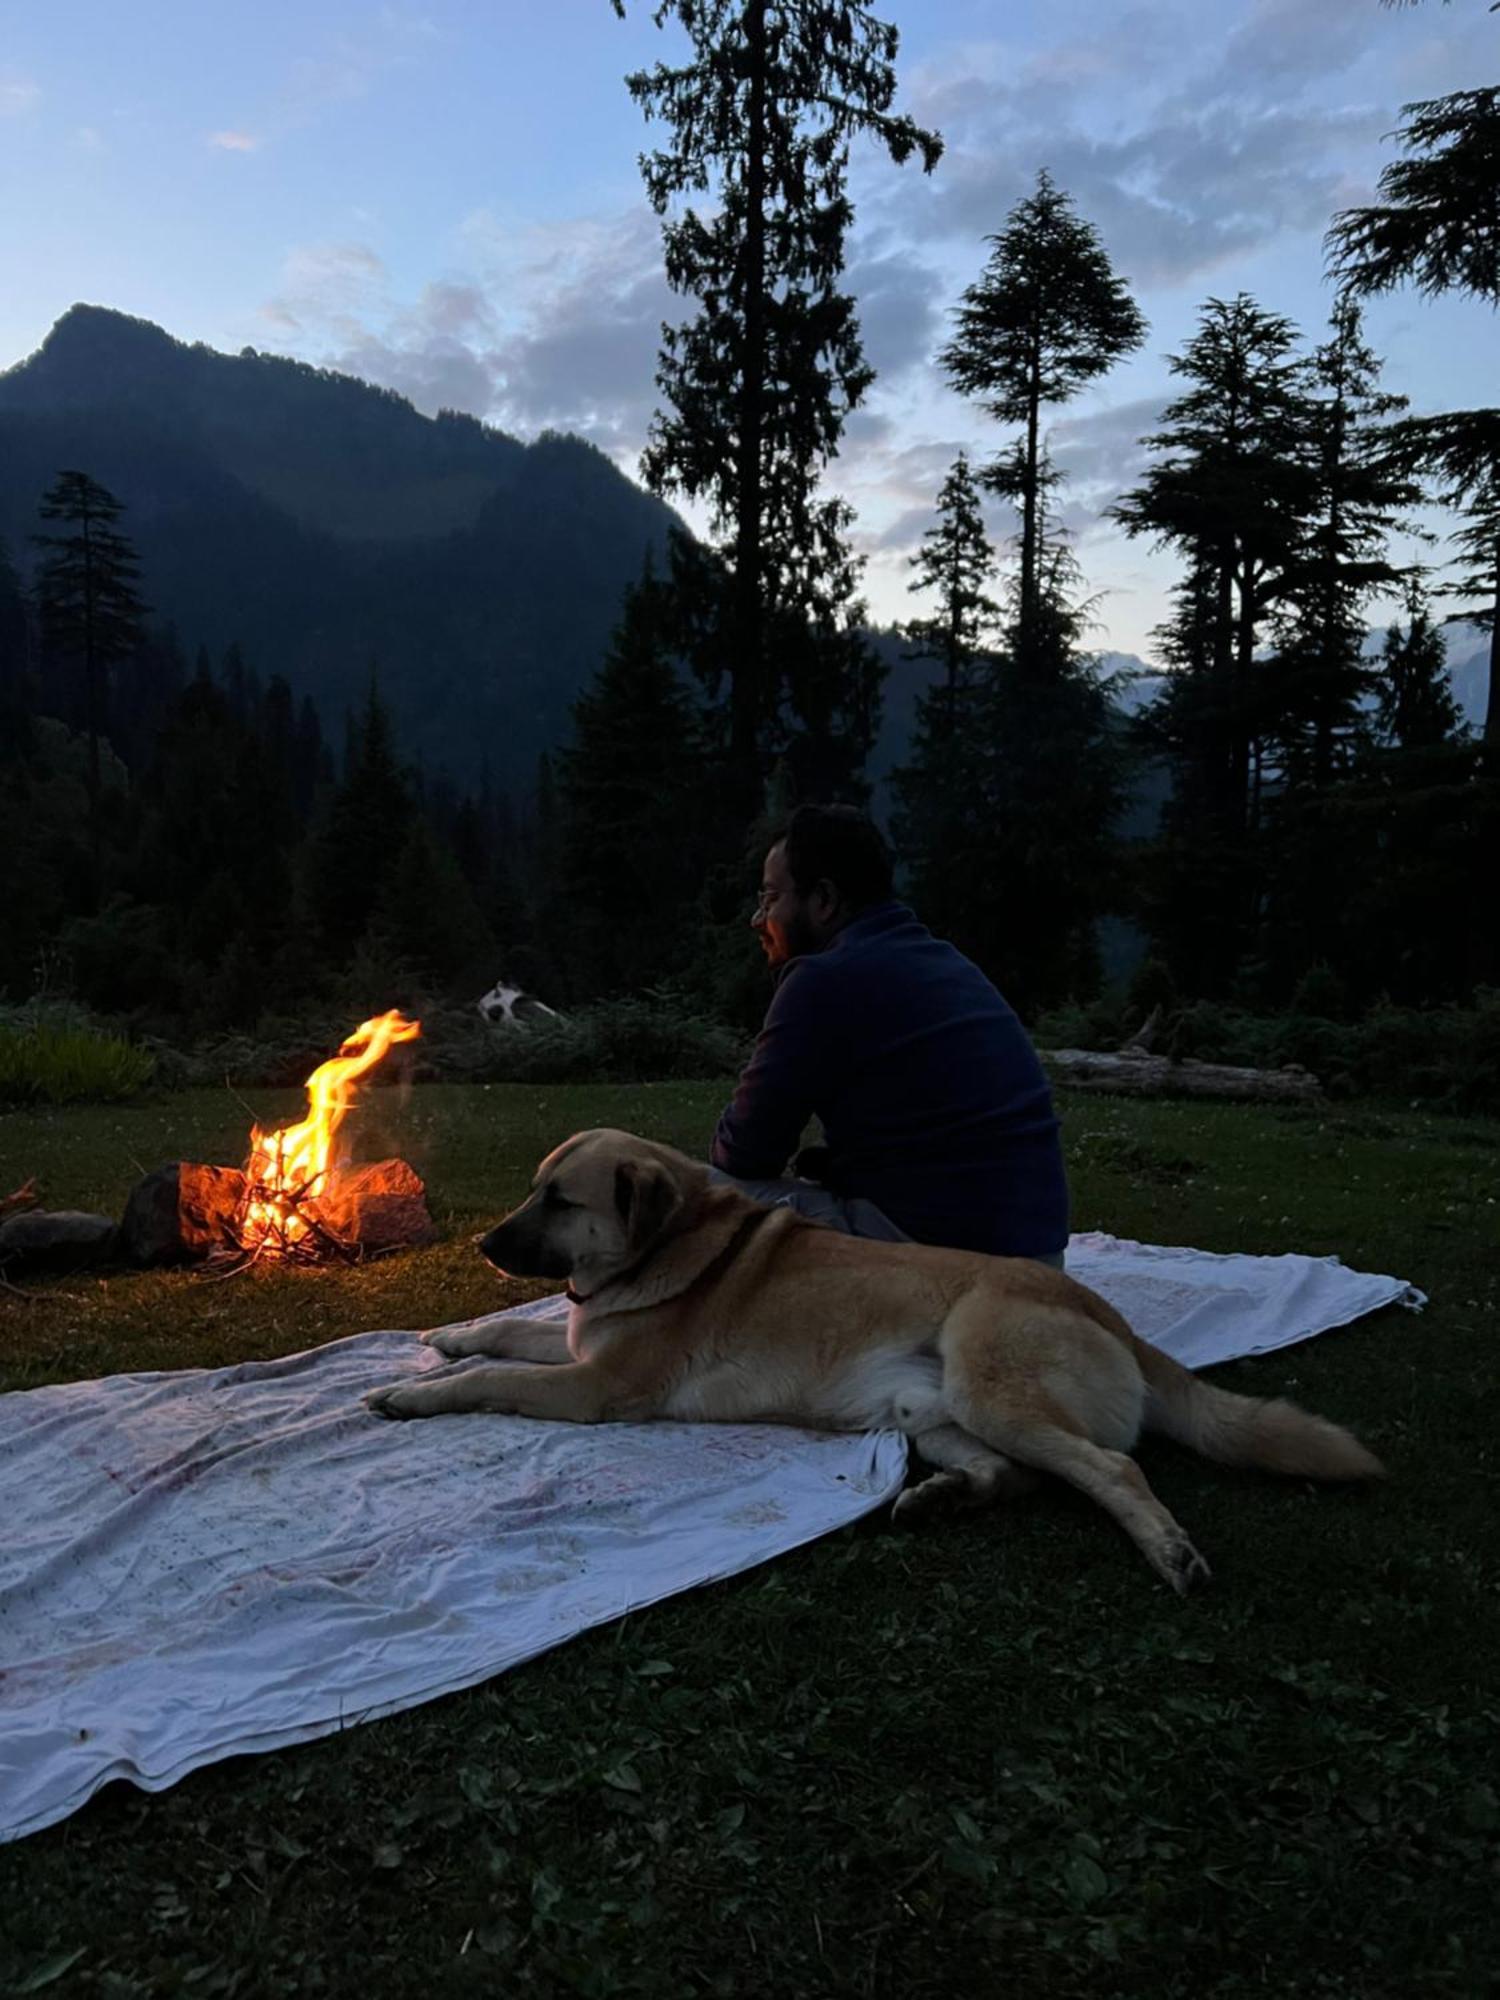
[(293, 1164)]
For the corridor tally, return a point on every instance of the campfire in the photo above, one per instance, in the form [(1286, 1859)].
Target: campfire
[(299, 1198)]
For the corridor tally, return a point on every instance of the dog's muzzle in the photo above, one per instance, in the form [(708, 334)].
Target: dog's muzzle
[(520, 1250)]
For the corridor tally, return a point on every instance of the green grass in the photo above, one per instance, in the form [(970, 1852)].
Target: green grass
[(999, 1757), (48, 1063)]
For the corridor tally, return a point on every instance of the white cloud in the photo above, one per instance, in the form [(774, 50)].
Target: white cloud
[(550, 326), (234, 142), (328, 284), (1184, 147)]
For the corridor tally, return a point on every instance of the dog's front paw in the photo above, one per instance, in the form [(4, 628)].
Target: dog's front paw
[(395, 1400), (448, 1340)]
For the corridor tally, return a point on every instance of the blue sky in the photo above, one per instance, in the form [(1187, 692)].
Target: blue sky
[(444, 198)]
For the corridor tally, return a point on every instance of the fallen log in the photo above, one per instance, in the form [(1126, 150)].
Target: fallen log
[(1135, 1073), (24, 1197)]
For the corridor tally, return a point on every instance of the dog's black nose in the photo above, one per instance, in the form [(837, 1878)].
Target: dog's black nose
[(489, 1246)]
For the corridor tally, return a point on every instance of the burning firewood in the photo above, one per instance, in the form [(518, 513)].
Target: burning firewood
[(295, 1200), (290, 1171)]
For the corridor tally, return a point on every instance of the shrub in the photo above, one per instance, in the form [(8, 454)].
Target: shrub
[(1097, 1024), (653, 1037), (50, 1053), (648, 1037)]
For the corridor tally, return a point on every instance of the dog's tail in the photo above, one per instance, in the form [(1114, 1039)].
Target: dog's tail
[(1236, 1430), (1243, 1430)]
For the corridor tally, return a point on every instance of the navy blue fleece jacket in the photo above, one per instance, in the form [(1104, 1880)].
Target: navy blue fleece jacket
[(932, 1100)]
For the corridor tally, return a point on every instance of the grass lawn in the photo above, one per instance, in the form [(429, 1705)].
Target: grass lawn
[(996, 1758)]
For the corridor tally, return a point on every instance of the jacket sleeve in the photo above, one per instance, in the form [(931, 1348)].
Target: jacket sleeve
[(782, 1083)]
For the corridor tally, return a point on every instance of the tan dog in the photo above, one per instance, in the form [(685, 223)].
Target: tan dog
[(691, 1301)]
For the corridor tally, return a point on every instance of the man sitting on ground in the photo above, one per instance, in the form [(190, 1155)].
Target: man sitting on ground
[(936, 1114)]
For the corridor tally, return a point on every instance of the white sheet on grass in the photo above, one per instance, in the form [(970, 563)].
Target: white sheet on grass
[(209, 1562)]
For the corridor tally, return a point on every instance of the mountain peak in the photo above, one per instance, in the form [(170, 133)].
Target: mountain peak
[(86, 330)]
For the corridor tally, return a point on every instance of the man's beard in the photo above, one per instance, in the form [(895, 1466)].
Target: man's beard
[(799, 938)]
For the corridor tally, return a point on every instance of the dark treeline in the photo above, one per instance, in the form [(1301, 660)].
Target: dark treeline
[(184, 845)]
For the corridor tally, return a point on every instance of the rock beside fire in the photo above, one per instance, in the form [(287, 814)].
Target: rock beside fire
[(181, 1213), (55, 1239), (381, 1206)]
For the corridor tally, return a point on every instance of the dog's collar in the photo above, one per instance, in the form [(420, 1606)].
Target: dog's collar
[(574, 1298)]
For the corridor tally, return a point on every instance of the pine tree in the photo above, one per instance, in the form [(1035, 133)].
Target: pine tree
[(1416, 707), (936, 792), (631, 855), (1460, 451), (955, 563), (92, 614), (427, 919), (13, 648), (758, 386), (1435, 226), (1320, 682), (1434, 222), (1047, 317), (1007, 820), (312, 763), (354, 856), (211, 854), (15, 702), (1235, 489)]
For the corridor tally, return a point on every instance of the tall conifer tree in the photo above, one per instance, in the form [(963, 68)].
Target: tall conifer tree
[(92, 614), (1234, 488), (955, 564), (355, 854), (1048, 316), (1416, 709), (630, 808), (757, 387), (1320, 680), (1436, 225), (937, 792)]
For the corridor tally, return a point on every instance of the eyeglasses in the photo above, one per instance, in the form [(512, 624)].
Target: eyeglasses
[(764, 901)]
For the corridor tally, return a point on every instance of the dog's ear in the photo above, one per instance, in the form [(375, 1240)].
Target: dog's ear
[(646, 1199)]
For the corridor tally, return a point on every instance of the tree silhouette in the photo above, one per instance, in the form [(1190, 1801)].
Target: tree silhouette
[(1047, 316), (1234, 488), (1437, 222), (355, 853), (629, 791), (758, 386), (955, 562), (1416, 708), (1362, 484), (1437, 226), (91, 611), (1462, 450)]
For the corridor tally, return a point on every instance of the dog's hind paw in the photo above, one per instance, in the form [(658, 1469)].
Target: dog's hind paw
[(1182, 1566), (940, 1493)]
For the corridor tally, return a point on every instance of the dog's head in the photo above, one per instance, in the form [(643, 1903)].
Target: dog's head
[(597, 1206)]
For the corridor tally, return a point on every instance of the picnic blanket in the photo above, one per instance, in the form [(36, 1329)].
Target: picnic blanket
[(207, 1562)]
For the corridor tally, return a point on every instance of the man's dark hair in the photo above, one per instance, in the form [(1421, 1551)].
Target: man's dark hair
[(841, 845)]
